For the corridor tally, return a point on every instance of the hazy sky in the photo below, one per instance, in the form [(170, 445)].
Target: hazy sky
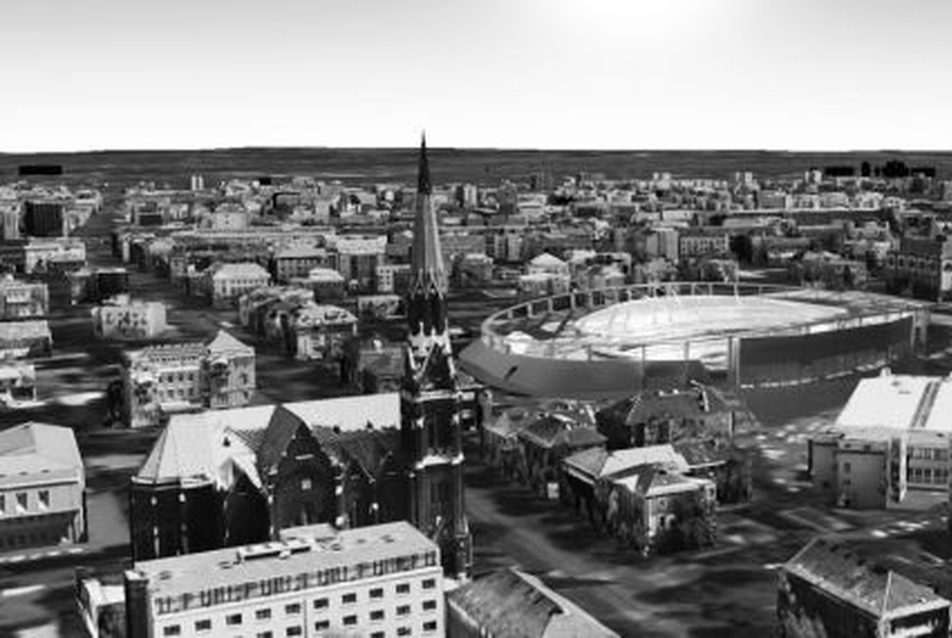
[(601, 74)]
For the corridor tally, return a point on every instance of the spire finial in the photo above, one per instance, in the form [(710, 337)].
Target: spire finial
[(423, 178)]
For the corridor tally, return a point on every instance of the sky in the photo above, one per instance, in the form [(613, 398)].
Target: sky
[(549, 74)]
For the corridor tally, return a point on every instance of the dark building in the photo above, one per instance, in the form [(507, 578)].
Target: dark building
[(430, 431), (43, 219), (233, 477)]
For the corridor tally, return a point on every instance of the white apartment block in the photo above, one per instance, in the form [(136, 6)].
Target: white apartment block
[(382, 581)]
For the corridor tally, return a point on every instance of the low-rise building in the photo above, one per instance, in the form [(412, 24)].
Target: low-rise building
[(509, 603), (922, 266), (17, 382), (52, 255), (696, 242), (25, 339), (123, 319), (381, 580), (549, 439), (327, 284), (644, 496), (160, 380), (830, 589), (224, 284), (23, 299), (322, 332), (297, 261), (42, 487), (889, 443), (393, 278)]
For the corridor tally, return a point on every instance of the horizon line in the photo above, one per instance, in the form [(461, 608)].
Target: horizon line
[(496, 149)]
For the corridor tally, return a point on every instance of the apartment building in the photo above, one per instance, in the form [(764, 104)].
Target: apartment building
[(378, 581), (42, 487), (922, 266)]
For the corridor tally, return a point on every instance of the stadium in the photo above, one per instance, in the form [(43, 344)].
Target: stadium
[(612, 342)]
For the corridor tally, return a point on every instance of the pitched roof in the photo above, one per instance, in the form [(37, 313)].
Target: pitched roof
[(557, 429), (510, 604), (282, 427), (859, 580), (224, 342), (600, 464), (202, 444)]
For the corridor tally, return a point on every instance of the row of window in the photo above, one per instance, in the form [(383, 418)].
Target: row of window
[(20, 503), (937, 476), (928, 453), (293, 631), (294, 609)]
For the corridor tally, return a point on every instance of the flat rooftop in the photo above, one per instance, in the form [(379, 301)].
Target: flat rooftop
[(303, 550), (899, 402)]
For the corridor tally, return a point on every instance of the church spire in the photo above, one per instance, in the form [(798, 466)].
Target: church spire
[(426, 298), (423, 173)]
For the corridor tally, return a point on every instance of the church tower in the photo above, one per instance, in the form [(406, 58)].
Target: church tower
[(431, 440)]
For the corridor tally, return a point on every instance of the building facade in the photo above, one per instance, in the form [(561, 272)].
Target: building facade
[(378, 581), (160, 380), (127, 320), (23, 299), (42, 488)]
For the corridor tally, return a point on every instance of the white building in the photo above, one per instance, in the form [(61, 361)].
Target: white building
[(890, 443), (227, 282), (378, 581), (126, 320)]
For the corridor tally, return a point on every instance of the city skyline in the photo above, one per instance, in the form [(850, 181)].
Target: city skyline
[(604, 74)]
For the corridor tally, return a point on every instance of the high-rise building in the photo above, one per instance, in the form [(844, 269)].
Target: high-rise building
[(431, 441)]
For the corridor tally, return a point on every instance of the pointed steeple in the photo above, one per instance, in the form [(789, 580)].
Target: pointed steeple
[(423, 173), (426, 297), (426, 256)]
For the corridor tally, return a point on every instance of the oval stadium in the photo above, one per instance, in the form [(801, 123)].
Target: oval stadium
[(612, 342)]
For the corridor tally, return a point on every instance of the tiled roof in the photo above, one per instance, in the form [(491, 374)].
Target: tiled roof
[(282, 427), (859, 580), (224, 343), (511, 604)]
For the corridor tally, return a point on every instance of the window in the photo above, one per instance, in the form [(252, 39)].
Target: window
[(292, 609), (403, 631), (376, 592), (233, 619), (349, 599), (305, 484), (429, 605), (44, 498), (262, 614), (377, 634), (3, 503), (429, 626), (21, 502), (429, 583), (403, 588), (172, 630), (376, 615), (403, 610), (294, 630), (264, 634), (203, 625), (321, 625), (350, 621), (846, 467), (320, 603)]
